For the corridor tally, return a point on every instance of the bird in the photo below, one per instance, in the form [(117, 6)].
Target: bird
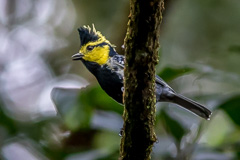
[(101, 59)]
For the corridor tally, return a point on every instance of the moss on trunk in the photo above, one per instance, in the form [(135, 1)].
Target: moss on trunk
[(141, 50)]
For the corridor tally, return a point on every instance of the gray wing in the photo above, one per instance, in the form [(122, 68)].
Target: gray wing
[(117, 62)]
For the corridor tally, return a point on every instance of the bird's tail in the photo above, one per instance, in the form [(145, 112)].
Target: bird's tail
[(192, 106)]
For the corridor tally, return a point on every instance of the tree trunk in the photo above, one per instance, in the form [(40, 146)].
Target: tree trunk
[(141, 50)]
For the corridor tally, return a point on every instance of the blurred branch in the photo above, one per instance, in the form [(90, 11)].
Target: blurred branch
[(141, 51)]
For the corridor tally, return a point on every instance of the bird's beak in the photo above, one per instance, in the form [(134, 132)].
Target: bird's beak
[(77, 56)]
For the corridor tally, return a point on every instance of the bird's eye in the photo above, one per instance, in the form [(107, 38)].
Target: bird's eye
[(89, 48)]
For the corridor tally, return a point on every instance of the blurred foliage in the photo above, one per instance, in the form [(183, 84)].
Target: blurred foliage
[(230, 107), (169, 73), (173, 127), (48, 110), (80, 104)]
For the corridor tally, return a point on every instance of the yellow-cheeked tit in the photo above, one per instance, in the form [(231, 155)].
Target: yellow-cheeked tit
[(102, 60)]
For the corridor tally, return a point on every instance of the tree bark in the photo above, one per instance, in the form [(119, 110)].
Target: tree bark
[(141, 51)]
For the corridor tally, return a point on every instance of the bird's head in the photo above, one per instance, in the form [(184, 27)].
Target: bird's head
[(94, 47)]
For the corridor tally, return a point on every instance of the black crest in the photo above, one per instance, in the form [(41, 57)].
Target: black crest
[(87, 35)]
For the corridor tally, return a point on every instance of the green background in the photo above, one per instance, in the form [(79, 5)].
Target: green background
[(52, 108)]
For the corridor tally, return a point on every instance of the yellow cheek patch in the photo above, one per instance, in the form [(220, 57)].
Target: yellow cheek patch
[(99, 55)]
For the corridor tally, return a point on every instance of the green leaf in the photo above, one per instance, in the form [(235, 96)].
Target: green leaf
[(234, 48), (76, 113), (231, 107), (172, 126), (64, 99), (170, 73), (7, 122), (97, 98), (76, 105), (238, 155)]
